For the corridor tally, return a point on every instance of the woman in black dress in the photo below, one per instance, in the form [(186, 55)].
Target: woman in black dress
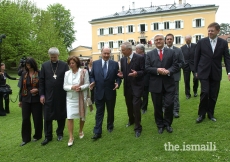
[(3, 76), (29, 101)]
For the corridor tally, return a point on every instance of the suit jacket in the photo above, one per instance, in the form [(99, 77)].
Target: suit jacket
[(180, 61), (137, 83), (208, 63), (146, 75), (68, 83), (168, 62), (104, 87), (189, 55)]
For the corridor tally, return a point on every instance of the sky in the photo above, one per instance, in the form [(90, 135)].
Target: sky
[(85, 10)]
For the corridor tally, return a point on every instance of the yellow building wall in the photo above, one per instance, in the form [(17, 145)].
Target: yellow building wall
[(81, 51), (186, 17)]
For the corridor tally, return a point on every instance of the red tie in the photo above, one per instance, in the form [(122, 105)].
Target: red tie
[(161, 55)]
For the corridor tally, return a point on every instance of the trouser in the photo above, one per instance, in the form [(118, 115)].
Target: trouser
[(48, 126)]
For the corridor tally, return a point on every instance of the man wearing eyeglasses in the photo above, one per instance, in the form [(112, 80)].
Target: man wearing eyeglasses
[(161, 64)]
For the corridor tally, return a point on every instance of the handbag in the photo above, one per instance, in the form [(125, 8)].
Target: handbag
[(5, 89), (88, 100)]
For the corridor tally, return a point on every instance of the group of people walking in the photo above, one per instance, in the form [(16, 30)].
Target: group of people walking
[(60, 90)]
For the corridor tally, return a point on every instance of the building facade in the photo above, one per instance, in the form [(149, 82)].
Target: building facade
[(140, 25)]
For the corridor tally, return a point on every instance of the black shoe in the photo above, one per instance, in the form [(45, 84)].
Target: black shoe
[(23, 143), (96, 136), (176, 115), (46, 141), (169, 129), (195, 94), (160, 130), (110, 130), (144, 111), (59, 138), (129, 124), (213, 119), (137, 134), (200, 118), (188, 97)]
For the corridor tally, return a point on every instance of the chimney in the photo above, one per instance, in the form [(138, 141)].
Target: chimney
[(123, 8), (133, 5), (180, 1)]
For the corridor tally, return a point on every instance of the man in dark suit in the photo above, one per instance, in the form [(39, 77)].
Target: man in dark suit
[(180, 58), (132, 70), (105, 80), (140, 49), (161, 64), (188, 51), (208, 58)]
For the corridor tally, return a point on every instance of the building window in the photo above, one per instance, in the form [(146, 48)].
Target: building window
[(130, 28), (111, 44), (110, 30), (119, 43), (101, 31), (111, 57), (177, 24), (142, 27), (198, 37), (198, 22), (178, 40), (155, 26), (102, 44), (166, 25), (119, 29)]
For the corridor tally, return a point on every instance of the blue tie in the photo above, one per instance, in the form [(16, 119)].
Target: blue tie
[(105, 69)]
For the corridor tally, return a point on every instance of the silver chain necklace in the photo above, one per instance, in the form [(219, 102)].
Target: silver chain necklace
[(55, 76)]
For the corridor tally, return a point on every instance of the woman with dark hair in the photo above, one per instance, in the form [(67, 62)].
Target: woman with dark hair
[(76, 83), (29, 101), (89, 68), (3, 76)]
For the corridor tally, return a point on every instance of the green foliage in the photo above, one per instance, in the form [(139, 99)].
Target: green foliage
[(121, 145), (31, 32), (224, 29)]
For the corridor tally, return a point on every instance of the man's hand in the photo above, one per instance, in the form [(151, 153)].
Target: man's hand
[(20, 104), (120, 74), (196, 75), (133, 74), (161, 71), (91, 85), (116, 86), (42, 100)]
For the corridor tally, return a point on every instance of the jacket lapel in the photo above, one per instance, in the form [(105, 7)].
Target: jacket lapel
[(207, 41), (109, 68), (100, 67)]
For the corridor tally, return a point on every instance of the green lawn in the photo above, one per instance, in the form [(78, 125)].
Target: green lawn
[(121, 145)]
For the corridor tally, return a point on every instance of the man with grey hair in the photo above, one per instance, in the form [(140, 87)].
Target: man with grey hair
[(140, 49), (161, 64), (132, 71), (52, 94), (188, 51)]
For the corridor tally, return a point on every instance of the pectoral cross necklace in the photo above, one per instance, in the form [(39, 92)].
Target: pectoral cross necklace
[(54, 71)]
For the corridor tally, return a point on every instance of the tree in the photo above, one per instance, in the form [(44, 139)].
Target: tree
[(224, 29), (63, 22)]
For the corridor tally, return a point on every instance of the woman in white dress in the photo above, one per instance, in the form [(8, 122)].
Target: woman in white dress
[(76, 84)]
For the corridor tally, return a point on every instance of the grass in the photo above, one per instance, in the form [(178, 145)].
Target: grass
[(121, 145)]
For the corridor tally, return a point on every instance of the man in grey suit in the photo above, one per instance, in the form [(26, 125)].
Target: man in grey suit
[(188, 51), (161, 64), (169, 44)]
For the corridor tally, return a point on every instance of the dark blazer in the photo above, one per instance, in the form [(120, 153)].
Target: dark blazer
[(168, 62), (208, 63), (180, 61), (146, 75), (28, 98), (3, 79), (105, 86), (138, 64), (189, 55)]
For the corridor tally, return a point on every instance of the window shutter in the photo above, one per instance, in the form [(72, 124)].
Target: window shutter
[(106, 31), (151, 26), (202, 22), (182, 24), (182, 40), (134, 28), (99, 46), (138, 28), (123, 29), (98, 31), (127, 30), (161, 26), (115, 30), (172, 25), (115, 44), (193, 39), (202, 36), (194, 23), (174, 41), (146, 27)]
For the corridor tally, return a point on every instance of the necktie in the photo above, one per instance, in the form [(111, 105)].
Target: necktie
[(105, 69), (213, 45), (188, 47), (128, 60), (161, 55)]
